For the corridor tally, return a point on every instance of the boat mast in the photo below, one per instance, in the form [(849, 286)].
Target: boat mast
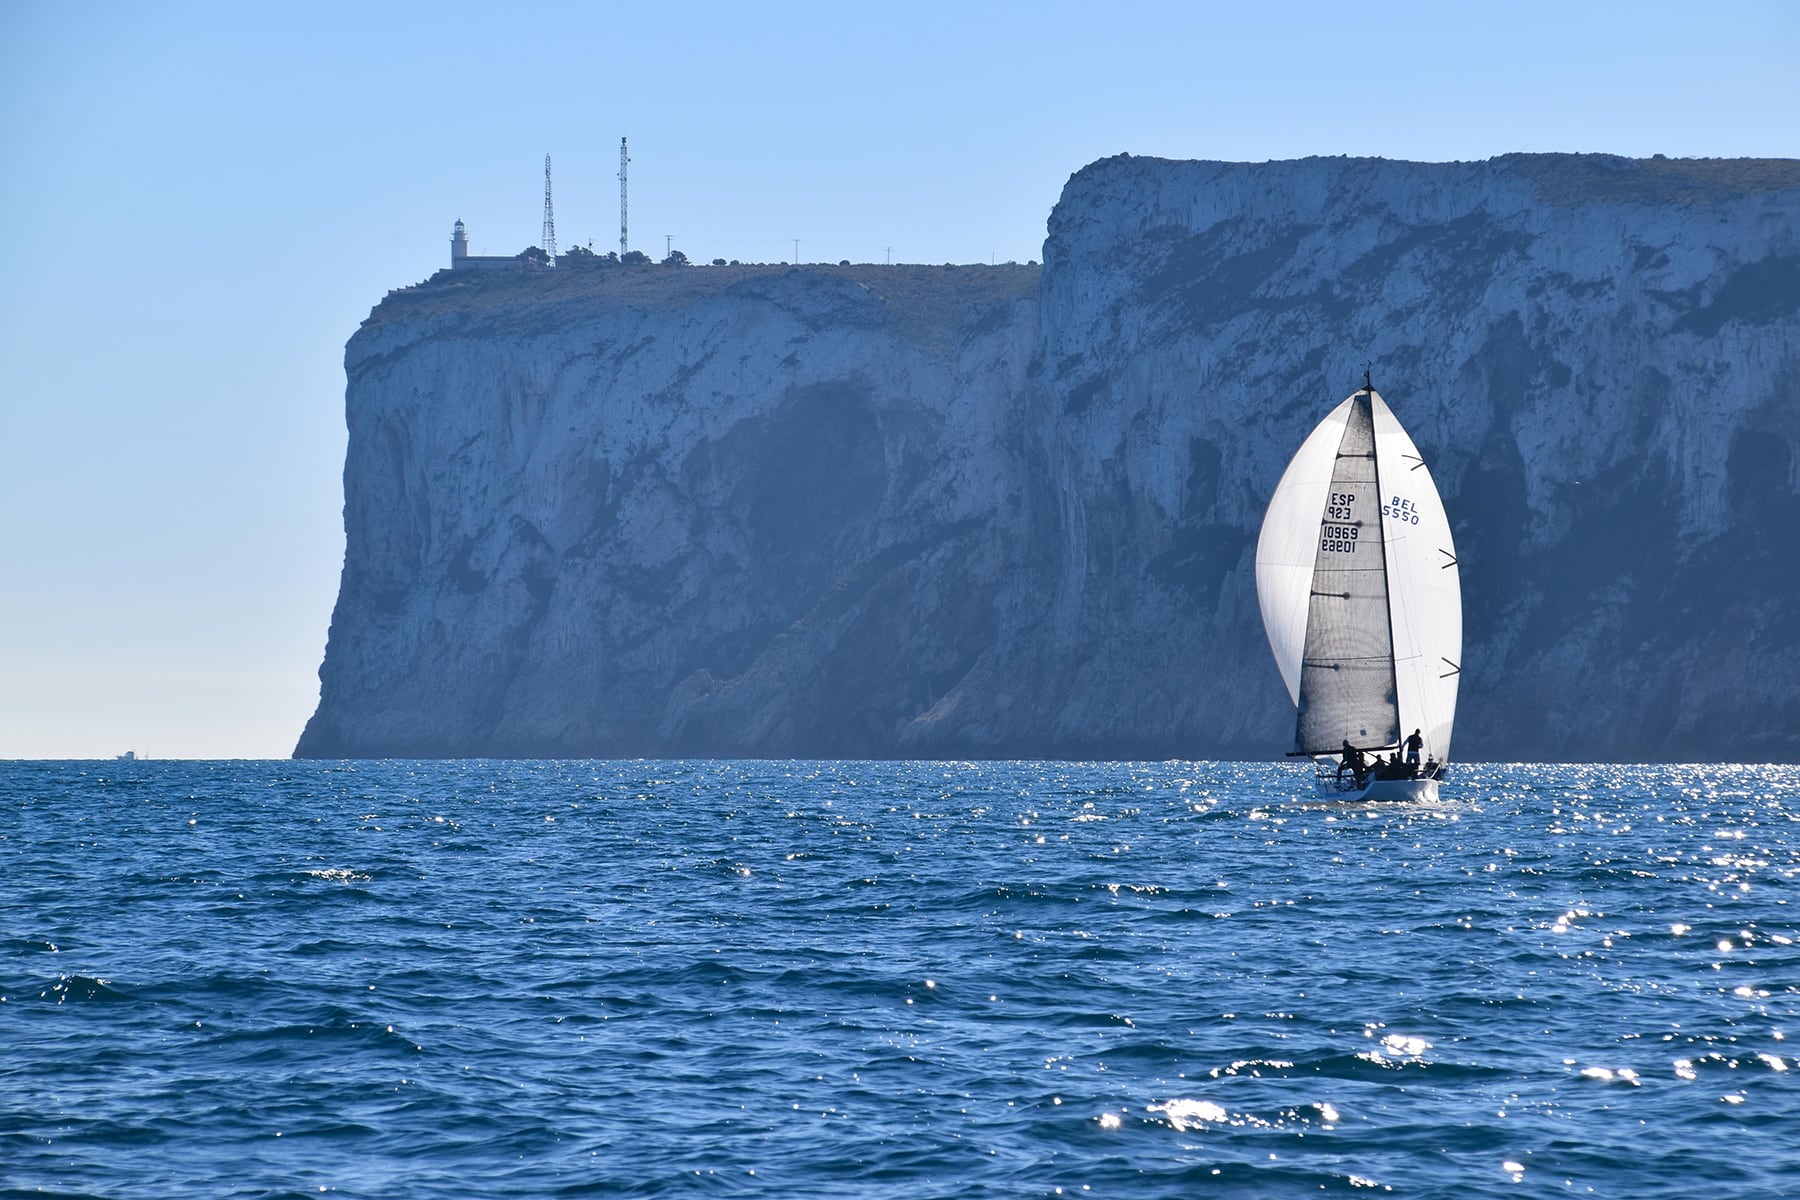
[(1381, 528)]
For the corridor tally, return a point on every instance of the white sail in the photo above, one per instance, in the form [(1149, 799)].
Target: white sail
[(1290, 541), (1424, 587), (1423, 599)]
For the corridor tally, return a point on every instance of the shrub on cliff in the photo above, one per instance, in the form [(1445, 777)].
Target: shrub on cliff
[(581, 256)]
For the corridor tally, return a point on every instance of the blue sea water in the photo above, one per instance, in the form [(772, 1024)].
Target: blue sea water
[(771, 979)]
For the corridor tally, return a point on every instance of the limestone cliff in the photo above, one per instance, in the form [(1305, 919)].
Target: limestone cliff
[(913, 511)]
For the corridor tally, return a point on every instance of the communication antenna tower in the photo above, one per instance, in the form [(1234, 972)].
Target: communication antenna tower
[(549, 216), (624, 161)]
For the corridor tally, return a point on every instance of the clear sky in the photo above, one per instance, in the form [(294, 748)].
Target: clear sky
[(200, 202)]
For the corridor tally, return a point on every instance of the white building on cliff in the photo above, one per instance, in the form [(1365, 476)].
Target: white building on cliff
[(462, 260)]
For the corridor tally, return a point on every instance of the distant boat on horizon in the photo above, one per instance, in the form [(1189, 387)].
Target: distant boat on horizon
[(1357, 579), (128, 756)]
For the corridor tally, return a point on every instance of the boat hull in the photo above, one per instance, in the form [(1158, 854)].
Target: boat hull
[(1414, 790)]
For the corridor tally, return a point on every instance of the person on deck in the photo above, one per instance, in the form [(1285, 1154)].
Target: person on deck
[(1414, 744)]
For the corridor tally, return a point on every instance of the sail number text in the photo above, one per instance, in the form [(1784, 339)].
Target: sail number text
[(1401, 510), (1338, 539)]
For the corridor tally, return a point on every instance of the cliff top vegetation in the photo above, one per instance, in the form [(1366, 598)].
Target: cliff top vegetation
[(927, 303), (1561, 179), (1587, 178)]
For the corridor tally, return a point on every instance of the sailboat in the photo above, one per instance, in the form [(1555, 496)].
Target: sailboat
[(1356, 574)]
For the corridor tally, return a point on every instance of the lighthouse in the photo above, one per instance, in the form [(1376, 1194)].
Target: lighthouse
[(459, 244)]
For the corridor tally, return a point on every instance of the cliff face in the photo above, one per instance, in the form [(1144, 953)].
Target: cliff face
[(918, 511), (681, 511)]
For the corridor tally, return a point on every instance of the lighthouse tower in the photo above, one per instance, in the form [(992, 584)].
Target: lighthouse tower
[(459, 244)]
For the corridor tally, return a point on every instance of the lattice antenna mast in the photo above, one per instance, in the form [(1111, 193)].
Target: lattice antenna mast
[(549, 216), (624, 161)]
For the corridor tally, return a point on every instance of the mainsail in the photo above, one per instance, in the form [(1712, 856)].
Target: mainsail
[(1347, 667), (1356, 572)]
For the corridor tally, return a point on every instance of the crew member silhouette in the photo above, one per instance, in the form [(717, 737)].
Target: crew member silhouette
[(1414, 744)]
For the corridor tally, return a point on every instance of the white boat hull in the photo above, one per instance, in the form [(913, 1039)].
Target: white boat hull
[(1415, 790)]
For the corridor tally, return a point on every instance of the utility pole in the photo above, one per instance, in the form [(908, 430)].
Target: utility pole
[(624, 161), (796, 252), (890, 256), (549, 216)]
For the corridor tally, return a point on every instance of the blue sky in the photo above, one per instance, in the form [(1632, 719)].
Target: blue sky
[(200, 202)]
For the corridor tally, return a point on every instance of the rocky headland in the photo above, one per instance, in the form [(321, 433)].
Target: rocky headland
[(867, 511)]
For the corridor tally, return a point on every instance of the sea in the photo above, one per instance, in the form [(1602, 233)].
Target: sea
[(894, 979)]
